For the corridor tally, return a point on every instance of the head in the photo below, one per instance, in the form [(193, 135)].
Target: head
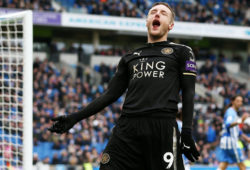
[(160, 21), (237, 102)]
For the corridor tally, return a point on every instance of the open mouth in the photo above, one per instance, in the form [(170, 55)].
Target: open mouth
[(156, 23)]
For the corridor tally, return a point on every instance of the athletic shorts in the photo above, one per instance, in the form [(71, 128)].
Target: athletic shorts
[(231, 156), (143, 144)]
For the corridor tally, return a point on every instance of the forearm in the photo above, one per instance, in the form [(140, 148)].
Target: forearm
[(95, 106), (188, 92), (234, 124), (245, 137), (188, 108)]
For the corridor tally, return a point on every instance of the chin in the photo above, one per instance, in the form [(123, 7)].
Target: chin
[(155, 35)]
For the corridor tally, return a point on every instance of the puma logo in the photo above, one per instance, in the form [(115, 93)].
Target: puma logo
[(185, 146), (137, 53)]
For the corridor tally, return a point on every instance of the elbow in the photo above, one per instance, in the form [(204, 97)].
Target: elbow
[(110, 97), (228, 125)]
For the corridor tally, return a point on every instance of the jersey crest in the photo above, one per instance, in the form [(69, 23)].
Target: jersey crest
[(167, 51), (105, 158)]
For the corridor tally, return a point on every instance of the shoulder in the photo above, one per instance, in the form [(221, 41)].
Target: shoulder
[(180, 46), (230, 112), (184, 52), (133, 53)]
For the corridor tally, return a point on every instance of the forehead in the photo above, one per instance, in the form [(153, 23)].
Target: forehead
[(238, 98), (161, 7)]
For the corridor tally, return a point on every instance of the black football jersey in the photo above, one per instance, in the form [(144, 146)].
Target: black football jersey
[(153, 75)]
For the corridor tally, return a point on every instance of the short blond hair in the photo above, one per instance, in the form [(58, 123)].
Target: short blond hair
[(167, 5)]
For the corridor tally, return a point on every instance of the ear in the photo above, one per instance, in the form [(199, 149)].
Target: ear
[(171, 26)]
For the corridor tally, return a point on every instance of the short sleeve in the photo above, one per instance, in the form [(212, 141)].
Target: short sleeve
[(229, 119), (187, 62)]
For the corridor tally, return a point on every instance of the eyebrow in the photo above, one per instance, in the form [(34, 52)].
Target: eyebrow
[(162, 10)]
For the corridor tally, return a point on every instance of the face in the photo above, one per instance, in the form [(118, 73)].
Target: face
[(159, 21), (238, 101)]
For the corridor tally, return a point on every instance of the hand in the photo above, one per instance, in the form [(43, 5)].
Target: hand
[(188, 147), (62, 124), (244, 116)]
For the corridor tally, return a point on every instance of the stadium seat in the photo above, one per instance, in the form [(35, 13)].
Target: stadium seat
[(53, 152), (1, 161), (95, 168), (14, 139)]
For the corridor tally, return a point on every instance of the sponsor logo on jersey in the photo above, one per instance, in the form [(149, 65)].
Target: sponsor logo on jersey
[(105, 158), (137, 53), (167, 51), (191, 66), (143, 59), (185, 146), (148, 69)]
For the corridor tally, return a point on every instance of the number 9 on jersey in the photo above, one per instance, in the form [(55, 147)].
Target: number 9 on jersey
[(168, 157)]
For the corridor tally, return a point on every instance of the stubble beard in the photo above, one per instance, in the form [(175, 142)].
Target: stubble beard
[(157, 36)]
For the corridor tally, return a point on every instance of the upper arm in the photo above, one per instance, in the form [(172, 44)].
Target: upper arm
[(118, 84), (187, 68), (229, 120)]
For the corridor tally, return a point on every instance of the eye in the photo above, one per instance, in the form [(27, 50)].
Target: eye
[(153, 11), (164, 13)]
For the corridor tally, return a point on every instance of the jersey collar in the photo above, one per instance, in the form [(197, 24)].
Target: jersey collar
[(158, 43)]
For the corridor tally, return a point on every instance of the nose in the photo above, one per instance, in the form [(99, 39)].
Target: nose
[(157, 15)]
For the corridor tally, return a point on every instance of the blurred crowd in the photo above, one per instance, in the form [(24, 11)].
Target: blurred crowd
[(232, 12), (229, 12), (38, 5), (214, 77), (101, 7), (111, 51)]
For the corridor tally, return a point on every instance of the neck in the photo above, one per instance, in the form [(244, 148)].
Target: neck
[(154, 39), (236, 109)]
